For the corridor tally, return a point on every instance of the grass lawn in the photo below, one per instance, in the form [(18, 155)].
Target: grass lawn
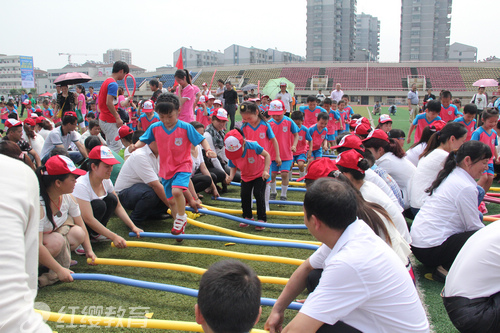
[(78, 296)]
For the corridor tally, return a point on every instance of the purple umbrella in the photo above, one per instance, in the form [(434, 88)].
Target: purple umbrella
[(72, 78), (486, 83)]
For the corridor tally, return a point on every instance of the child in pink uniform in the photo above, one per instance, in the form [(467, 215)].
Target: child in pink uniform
[(311, 111), (488, 135), (424, 120), (300, 155), (469, 119), (148, 116), (334, 120), (449, 112), (344, 115), (253, 162), (318, 134), (174, 139), (201, 111), (286, 133)]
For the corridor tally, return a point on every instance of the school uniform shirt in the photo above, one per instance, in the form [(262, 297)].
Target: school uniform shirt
[(448, 114), (414, 153), (373, 193), (145, 122), (69, 207), (401, 170), (140, 168), (84, 191), (48, 113), (56, 138), (310, 116), (251, 163), (427, 170), (263, 108), (201, 117), (450, 210), (346, 118), (304, 137), (471, 126), (364, 285), (476, 268), (284, 132), (333, 122), (317, 136), (490, 139), (262, 134), (174, 146), (420, 122)]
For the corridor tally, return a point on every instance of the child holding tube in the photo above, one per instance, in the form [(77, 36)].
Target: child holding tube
[(253, 162)]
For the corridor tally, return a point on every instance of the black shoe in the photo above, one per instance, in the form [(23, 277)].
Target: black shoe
[(439, 274)]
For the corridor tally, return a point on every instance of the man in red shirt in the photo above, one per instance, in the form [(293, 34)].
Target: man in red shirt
[(109, 119)]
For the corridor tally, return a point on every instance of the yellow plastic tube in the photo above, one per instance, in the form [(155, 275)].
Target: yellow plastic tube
[(496, 189), (222, 253), (125, 322), (490, 218), (245, 235), (238, 211), (278, 182), (173, 267)]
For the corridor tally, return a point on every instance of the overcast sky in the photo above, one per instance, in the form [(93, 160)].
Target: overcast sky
[(154, 29)]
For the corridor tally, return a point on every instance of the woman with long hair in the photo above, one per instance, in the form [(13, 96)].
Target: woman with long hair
[(186, 94), (81, 103)]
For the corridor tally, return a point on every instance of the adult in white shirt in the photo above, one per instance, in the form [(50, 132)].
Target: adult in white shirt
[(20, 216), (441, 143), (200, 176), (480, 99), (138, 185), (62, 137), (363, 285), (337, 93), (390, 157), (471, 294), (449, 215), (97, 198), (285, 97), (35, 140)]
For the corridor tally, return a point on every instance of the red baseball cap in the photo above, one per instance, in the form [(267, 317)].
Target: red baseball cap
[(70, 113), (362, 129), (123, 132), (350, 141), (9, 123), (384, 118), (276, 107), (103, 154), (233, 144), (356, 122), (319, 169), (221, 114), (39, 120), (61, 165), (350, 159), (264, 96), (30, 121), (26, 102), (377, 134), (438, 125)]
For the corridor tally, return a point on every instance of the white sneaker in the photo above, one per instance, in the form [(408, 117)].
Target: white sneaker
[(179, 225), (79, 250), (99, 238)]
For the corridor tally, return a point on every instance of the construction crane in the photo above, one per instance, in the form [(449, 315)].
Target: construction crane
[(75, 54)]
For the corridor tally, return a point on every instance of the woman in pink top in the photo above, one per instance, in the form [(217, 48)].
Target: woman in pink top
[(81, 103), (186, 94)]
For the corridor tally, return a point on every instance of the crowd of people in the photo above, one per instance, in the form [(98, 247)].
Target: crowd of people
[(177, 148)]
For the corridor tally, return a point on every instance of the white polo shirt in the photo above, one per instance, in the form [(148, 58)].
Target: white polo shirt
[(56, 138), (140, 168), (476, 269), (450, 210), (285, 98), (336, 95), (365, 285), (401, 170)]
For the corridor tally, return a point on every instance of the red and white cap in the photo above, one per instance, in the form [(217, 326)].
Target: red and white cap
[(282, 84), (319, 169), (9, 123), (34, 115), (377, 134), (362, 129), (233, 144), (70, 114), (104, 154), (61, 165), (30, 121), (358, 121), (218, 101), (202, 99), (26, 102), (148, 106), (204, 84), (350, 159), (210, 96), (221, 114), (123, 132), (350, 141), (438, 125), (276, 107), (264, 96), (384, 118)]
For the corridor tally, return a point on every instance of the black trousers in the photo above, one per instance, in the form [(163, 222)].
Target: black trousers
[(143, 201), (474, 315), (103, 209), (259, 191), (201, 182), (231, 111), (444, 254), (338, 327)]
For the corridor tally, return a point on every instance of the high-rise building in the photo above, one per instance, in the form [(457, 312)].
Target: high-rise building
[(331, 30), (425, 30), (113, 55), (241, 55), (196, 58), (367, 37)]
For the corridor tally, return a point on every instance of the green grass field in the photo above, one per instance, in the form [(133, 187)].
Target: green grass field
[(78, 296)]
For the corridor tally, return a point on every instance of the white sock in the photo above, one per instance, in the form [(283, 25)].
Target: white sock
[(181, 217), (266, 196), (273, 187), (284, 189), (302, 174)]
